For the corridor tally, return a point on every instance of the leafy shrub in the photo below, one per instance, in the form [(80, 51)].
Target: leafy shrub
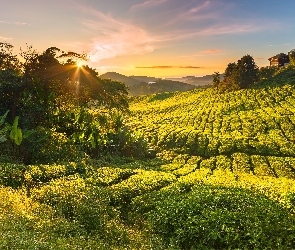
[(45, 147), (186, 169), (12, 175), (217, 218), (241, 163), (142, 204), (171, 166), (72, 199), (281, 167), (138, 184), (261, 166), (106, 176), (223, 162), (26, 224), (208, 163), (37, 174)]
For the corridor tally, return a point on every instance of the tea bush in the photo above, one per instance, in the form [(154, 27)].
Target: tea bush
[(38, 174), (211, 217), (72, 199), (27, 224), (12, 174), (138, 184)]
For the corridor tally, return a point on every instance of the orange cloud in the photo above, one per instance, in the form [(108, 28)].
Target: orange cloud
[(167, 67), (210, 51), (5, 38)]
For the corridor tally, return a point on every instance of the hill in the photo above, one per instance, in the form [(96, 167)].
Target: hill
[(216, 171), (145, 79), (129, 81), (144, 85), (159, 86), (234, 126), (200, 81)]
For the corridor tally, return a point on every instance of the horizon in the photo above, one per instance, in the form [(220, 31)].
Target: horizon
[(164, 77), (156, 38)]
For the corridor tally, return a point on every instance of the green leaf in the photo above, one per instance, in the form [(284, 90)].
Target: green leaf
[(2, 138), (14, 128), (28, 133), (18, 137), (3, 118)]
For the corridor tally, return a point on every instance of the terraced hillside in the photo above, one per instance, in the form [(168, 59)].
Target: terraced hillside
[(251, 129), (223, 178)]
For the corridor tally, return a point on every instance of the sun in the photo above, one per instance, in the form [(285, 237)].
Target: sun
[(79, 64)]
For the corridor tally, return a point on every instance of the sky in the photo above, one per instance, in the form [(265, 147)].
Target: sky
[(161, 38)]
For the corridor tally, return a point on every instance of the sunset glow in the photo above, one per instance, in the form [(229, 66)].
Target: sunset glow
[(79, 64), (161, 38)]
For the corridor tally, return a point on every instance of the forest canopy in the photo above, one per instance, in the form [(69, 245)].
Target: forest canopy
[(36, 84), (52, 107)]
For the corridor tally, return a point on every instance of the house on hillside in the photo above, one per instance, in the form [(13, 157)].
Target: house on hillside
[(279, 60)]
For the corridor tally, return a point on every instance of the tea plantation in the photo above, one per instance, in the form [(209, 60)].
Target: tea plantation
[(204, 170)]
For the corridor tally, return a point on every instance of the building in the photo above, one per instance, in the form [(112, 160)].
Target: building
[(279, 60)]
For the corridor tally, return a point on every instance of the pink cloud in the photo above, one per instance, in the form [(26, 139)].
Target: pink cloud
[(113, 37), (148, 4)]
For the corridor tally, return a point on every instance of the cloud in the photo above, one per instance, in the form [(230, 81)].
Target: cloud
[(210, 51), (139, 33), (274, 45), (14, 23), (114, 37), (148, 4), (168, 67), (20, 23), (192, 12), (5, 38), (200, 7)]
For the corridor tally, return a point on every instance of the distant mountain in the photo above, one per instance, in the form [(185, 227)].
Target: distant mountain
[(200, 81), (160, 86), (145, 79), (145, 85), (121, 78)]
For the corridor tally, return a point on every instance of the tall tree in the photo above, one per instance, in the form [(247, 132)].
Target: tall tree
[(44, 81), (292, 57), (246, 72), (240, 75), (230, 79), (216, 79), (11, 84)]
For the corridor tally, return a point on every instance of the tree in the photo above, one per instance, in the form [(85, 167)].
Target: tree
[(246, 72), (230, 79), (38, 87), (292, 57), (7, 59), (11, 84), (240, 75), (216, 79), (266, 73)]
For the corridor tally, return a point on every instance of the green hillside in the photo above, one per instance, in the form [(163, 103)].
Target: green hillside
[(129, 81), (206, 123), (203, 169), (159, 86)]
